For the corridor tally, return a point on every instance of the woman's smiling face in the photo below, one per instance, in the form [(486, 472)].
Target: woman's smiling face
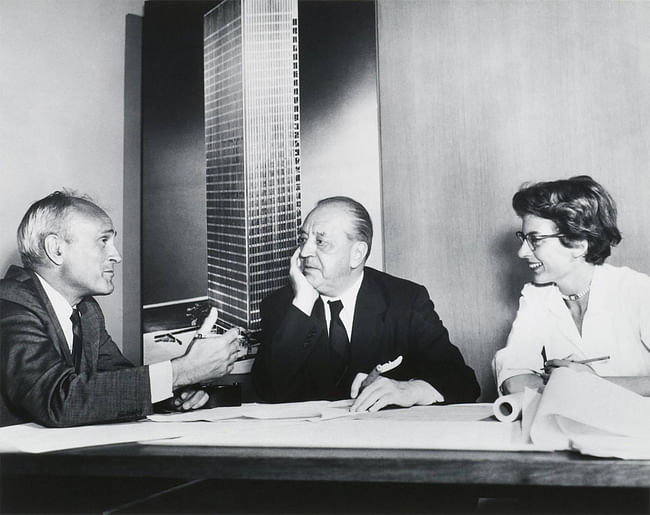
[(549, 260)]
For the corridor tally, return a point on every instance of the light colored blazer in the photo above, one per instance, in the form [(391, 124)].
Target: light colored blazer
[(616, 324)]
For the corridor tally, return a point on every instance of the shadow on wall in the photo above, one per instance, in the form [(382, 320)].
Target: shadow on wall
[(513, 273), (131, 196)]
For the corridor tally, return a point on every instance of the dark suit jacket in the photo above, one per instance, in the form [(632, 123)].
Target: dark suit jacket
[(392, 317), (38, 382)]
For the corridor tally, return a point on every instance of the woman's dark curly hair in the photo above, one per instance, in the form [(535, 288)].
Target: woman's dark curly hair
[(580, 208)]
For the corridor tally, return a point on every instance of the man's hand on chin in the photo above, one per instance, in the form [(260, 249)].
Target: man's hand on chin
[(305, 294)]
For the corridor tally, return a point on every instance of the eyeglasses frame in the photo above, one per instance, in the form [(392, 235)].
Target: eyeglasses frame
[(537, 238)]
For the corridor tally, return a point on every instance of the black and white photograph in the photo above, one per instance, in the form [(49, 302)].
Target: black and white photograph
[(325, 257)]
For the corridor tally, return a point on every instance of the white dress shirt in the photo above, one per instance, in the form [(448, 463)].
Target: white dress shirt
[(160, 374), (349, 300), (616, 324)]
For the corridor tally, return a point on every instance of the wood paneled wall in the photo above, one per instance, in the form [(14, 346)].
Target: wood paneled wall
[(477, 97)]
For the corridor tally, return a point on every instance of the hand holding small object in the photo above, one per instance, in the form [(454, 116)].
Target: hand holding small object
[(208, 323), (208, 356), (380, 369), (373, 392), (580, 365)]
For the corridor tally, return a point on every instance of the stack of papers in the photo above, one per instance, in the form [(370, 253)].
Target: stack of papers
[(575, 411), (583, 412), (35, 438), (311, 410)]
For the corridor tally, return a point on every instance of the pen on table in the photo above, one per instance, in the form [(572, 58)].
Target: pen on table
[(378, 370)]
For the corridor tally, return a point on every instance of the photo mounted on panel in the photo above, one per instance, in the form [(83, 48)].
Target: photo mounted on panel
[(338, 148)]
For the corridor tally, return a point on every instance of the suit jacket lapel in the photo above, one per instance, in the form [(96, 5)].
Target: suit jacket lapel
[(368, 324), (61, 344)]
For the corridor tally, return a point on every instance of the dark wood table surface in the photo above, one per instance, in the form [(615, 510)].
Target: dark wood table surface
[(354, 465)]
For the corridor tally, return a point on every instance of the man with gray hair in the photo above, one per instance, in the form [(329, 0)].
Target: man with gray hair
[(339, 319), (58, 365)]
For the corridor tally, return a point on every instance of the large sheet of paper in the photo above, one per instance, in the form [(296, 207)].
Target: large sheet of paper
[(332, 425), (36, 438), (365, 433), (584, 412), (575, 411), (309, 410)]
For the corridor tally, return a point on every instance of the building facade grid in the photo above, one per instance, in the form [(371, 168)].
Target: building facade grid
[(252, 140)]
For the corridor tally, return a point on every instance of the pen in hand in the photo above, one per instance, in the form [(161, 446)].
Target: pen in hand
[(576, 361), (378, 370), (590, 360)]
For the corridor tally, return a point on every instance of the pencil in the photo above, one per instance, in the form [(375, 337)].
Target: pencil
[(591, 360)]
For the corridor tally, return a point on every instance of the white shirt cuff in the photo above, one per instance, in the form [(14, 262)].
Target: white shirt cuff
[(161, 380)]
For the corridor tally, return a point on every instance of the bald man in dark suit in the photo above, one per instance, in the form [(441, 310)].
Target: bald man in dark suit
[(339, 319)]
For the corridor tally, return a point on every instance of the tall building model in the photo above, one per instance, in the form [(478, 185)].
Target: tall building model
[(252, 138)]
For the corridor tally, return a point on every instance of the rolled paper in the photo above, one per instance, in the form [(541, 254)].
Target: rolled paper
[(508, 408)]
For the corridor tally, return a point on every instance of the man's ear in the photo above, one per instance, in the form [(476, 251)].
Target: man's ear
[(53, 248), (358, 254)]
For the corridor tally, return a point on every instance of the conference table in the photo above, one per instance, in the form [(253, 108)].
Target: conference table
[(184, 477)]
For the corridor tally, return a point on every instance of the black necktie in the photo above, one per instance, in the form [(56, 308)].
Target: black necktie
[(76, 339), (338, 335)]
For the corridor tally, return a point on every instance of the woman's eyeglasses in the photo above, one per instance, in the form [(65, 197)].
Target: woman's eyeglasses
[(533, 239)]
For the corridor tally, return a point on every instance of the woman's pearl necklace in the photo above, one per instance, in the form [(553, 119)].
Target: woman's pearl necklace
[(576, 296)]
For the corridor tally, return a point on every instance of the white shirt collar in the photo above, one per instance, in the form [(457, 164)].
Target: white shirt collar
[(62, 308), (349, 300)]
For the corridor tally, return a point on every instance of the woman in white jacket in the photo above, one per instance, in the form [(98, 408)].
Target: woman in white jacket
[(576, 308)]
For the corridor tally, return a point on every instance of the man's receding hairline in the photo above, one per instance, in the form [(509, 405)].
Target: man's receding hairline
[(347, 212)]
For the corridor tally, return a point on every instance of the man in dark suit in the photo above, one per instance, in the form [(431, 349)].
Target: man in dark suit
[(58, 365), (315, 348)]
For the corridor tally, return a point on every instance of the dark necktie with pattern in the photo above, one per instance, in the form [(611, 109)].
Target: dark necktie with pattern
[(77, 340), (338, 336)]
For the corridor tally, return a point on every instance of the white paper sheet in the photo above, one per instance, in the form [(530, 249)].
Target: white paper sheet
[(360, 433), (36, 438), (309, 410), (579, 410)]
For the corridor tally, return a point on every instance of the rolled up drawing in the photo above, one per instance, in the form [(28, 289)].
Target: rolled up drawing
[(509, 408)]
